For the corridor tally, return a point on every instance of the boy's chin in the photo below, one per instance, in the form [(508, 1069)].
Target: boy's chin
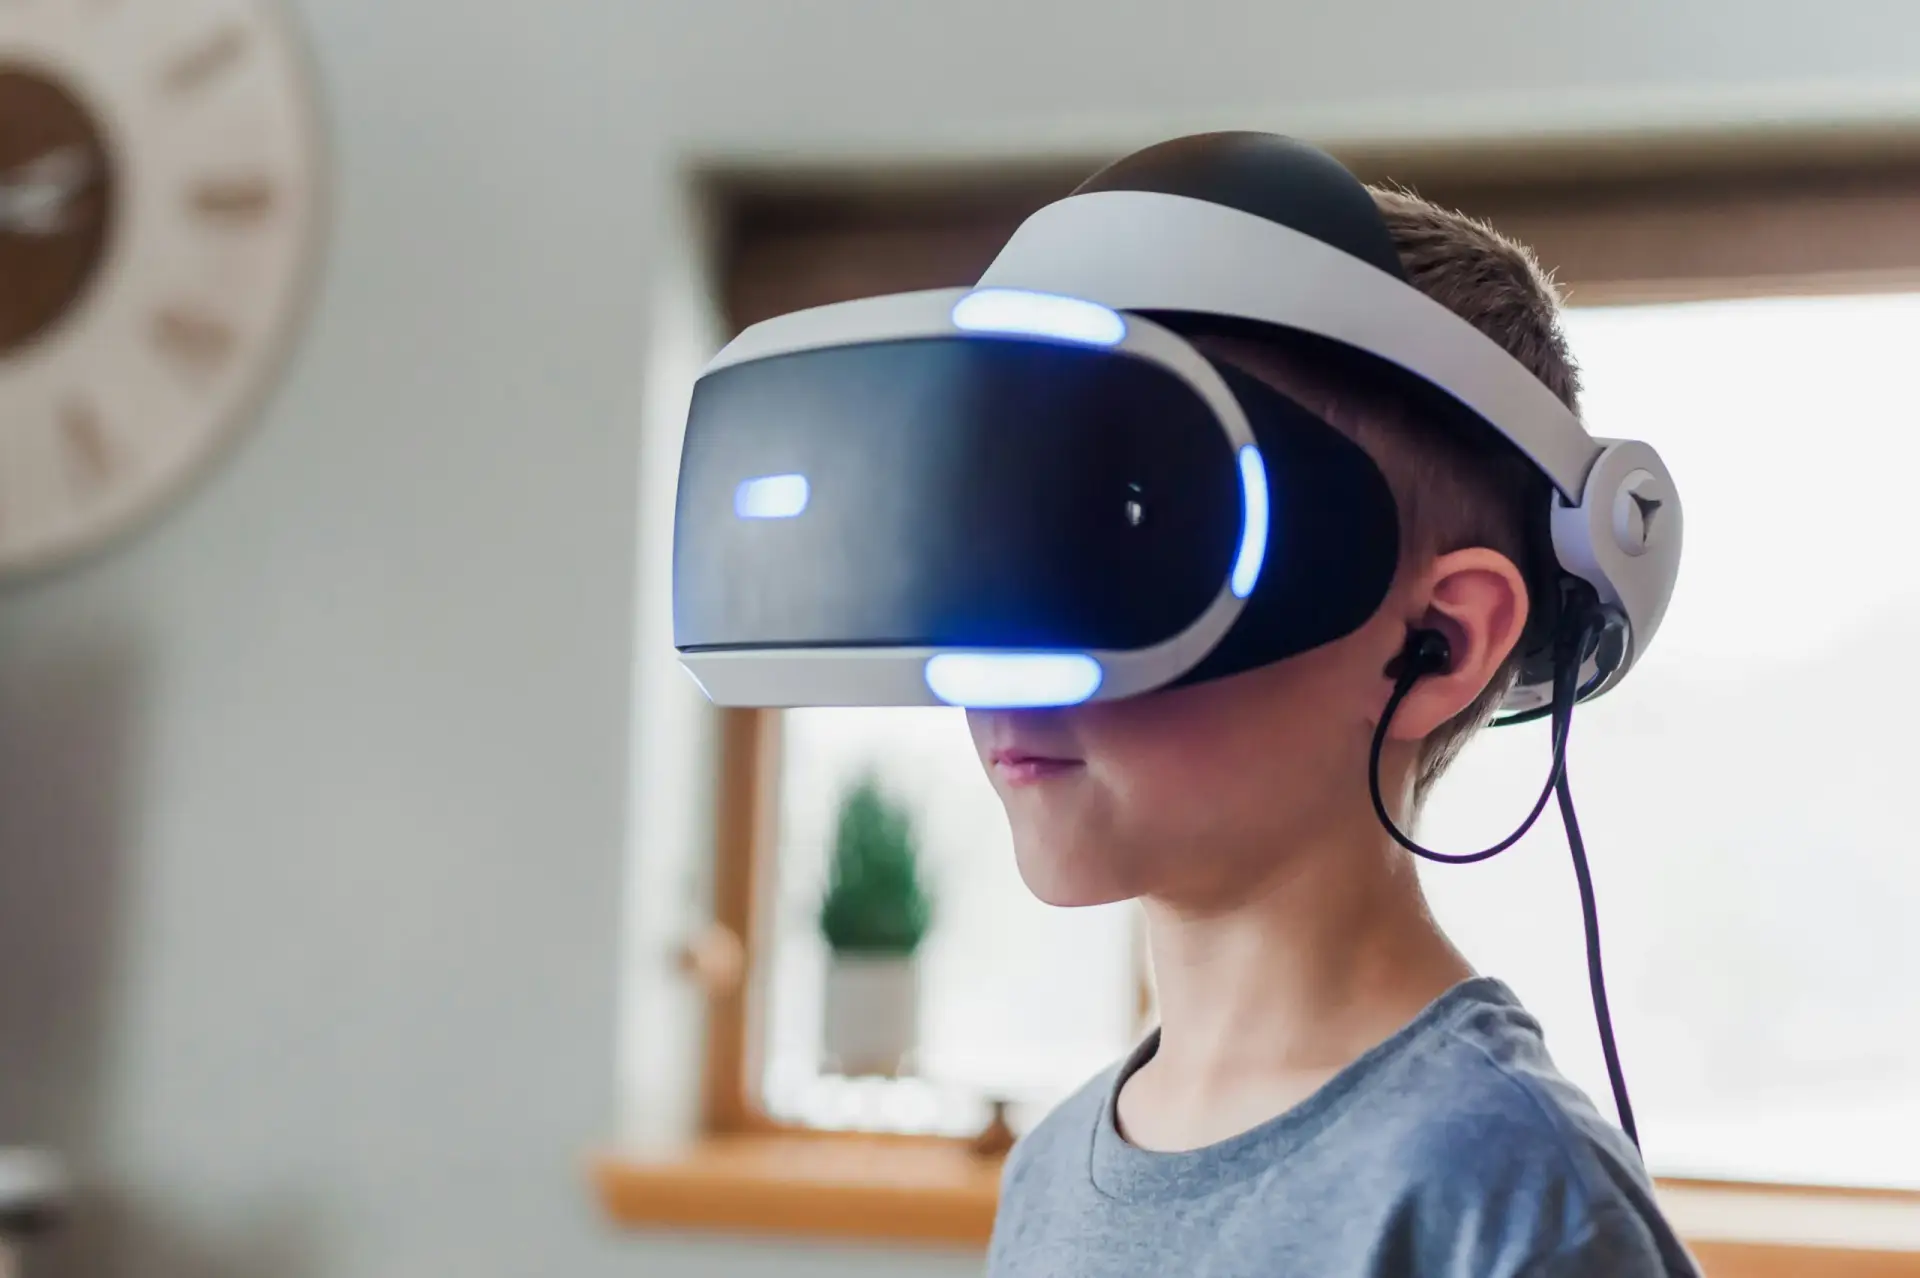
[(1069, 877)]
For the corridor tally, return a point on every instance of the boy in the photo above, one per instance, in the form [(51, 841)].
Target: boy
[(1332, 1089)]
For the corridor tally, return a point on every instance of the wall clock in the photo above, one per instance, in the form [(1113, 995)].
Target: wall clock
[(160, 196)]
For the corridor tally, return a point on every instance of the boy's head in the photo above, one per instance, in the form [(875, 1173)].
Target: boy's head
[(1183, 793)]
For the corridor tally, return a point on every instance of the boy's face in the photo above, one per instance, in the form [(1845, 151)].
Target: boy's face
[(1185, 794), (1189, 794)]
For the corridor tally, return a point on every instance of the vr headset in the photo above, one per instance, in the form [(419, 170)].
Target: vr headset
[(1039, 491)]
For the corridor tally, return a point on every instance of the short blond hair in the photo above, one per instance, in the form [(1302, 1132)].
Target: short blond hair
[(1458, 484)]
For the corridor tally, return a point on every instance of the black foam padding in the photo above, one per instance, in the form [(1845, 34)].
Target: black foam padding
[(1269, 176), (1334, 539)]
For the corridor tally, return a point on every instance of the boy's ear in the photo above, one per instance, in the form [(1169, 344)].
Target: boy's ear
[(1478, 600)]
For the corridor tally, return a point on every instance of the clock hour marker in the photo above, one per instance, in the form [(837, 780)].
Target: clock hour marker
[(244, 199), (195, 68), (88, 452), (197, 341)]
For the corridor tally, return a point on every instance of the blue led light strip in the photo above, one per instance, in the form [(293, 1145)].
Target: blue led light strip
[(1255, 524), (771, 497), (1016, 311), (1013, 680)]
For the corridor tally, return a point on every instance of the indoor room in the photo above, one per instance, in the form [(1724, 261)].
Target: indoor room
[(420, 854)]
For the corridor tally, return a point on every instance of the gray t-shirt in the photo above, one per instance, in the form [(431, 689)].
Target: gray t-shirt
[(1452, 1150)]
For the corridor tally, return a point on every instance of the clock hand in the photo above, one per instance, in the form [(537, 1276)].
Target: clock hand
[(34, 195)]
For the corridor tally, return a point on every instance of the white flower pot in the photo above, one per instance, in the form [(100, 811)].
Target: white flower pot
[(872, 1014)]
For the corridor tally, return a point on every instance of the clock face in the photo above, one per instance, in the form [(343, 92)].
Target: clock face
[(159, 206)]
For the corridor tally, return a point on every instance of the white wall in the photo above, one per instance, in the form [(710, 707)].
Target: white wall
[(314, 807), (865, 76)]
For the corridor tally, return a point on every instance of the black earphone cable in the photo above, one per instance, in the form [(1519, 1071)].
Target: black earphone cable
[(1596, 973), (1419, 661), (1426, 654)]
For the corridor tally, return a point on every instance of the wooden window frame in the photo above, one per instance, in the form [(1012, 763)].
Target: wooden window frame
[(1618, 222)]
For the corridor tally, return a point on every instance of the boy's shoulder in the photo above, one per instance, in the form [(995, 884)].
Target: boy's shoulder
[(1457, 1138), (1499, 1149)]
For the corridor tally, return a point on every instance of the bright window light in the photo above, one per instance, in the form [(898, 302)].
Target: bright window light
[(1744, 794)]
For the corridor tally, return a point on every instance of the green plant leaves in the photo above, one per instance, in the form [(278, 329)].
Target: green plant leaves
[(876, 900)]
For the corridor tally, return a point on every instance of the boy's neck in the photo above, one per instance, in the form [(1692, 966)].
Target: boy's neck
[(1265, 1000)]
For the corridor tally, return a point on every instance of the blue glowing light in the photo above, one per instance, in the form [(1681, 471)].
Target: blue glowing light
[(1013, 680), (770, 497), (1253, 533), (1066, 319)]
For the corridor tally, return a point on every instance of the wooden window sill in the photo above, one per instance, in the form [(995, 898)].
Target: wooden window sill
[(929, 1192), (939, 1193)]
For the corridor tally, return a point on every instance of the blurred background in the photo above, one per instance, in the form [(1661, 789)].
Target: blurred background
[(378, 898)]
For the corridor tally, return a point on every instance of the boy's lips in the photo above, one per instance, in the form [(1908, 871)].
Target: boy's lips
[(1018, 767)]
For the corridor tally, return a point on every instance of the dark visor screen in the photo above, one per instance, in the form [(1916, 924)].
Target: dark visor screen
[(952, 492)]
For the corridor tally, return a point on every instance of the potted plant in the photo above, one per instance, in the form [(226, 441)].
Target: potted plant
[(874, 915)]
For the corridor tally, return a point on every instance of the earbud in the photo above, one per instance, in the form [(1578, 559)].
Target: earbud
[(1427, 653)]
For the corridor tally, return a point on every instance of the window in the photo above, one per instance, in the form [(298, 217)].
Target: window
[(1020, 1001), (1744, 796)]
